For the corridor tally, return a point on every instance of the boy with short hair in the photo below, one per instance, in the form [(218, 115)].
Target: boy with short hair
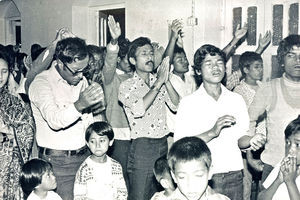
[(190, 160), (99, 176), (163, 176), (284, 181), (37, 180)]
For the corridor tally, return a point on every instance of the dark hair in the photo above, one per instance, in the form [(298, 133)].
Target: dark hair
[(187, 149), (124, 44), (161, 167), (247, 58), (93, 49), (292, 128), (70, 49), (35, 47), (286, 45), (35, 54), (32, 172), (5, 57), (177, 50), (101, 128), (135, 44), (203, 51)]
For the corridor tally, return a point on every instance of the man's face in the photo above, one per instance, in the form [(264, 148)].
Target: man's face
[(213, 69), (255, 71), (124, 65), (292, 64), (191, 178), (73, 72), (180, 63), (143, 60), (292, 146), (98, 62)]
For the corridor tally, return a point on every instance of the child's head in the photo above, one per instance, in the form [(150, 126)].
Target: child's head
[(99, 136), (162, 173), (292, 139), (190, 159), (251, 65), (141, 55), (37, 174), (180, 62)]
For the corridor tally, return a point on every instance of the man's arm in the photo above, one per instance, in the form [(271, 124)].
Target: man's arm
[(110, 64), (238, 35)]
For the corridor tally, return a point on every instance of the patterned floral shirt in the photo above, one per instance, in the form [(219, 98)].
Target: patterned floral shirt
[(150, 123)]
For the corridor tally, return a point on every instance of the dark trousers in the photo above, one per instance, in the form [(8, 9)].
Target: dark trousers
[(142, 156), (229, 184), (65, 168), (119, 152)]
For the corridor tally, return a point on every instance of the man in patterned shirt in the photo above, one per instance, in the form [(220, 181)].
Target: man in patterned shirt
[(143, 97)]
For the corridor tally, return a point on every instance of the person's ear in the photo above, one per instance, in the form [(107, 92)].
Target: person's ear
[(173, 176), (210, 174), (118, 60), (132, 61), (164, 183), (111, 142), (246, 70)]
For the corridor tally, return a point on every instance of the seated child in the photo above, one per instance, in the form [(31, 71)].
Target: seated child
[(284, 181), (163, 176), (37, 180), (190, 160), (99, 176)]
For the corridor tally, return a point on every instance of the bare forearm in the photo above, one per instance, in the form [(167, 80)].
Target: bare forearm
[(151, 95), (170, 48), (268, 194), (293, 190), (207, 136), (230, 47), (172, 93)]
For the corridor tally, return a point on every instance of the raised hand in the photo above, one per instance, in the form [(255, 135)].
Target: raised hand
[(223, 122), (241, 32), (176, 28), (264, 41), (114, 27), (158, 54)]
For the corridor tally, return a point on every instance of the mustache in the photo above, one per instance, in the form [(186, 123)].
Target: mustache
[(150, 61)]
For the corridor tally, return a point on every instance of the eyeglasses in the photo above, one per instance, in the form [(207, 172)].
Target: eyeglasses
[(74, 73)]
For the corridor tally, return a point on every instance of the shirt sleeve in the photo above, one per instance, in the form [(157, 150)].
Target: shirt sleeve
[(272, 176), (130, 99), (40, 94), (260, 104), (110, 63)]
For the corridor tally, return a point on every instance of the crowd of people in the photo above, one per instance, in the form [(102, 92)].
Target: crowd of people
[(130, 121)]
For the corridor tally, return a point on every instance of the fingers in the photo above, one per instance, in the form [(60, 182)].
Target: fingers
[(225, 121)]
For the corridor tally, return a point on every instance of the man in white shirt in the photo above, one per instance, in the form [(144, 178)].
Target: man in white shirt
[(60, 97), (217, 116)]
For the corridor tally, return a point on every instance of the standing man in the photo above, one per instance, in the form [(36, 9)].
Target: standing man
[(217, 116), (60, 97), (144, 97)]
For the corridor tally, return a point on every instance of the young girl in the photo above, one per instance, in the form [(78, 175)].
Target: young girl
[(37, 180)]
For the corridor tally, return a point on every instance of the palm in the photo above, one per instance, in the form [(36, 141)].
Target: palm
[(114, 27), (241, 32), (264, 41)]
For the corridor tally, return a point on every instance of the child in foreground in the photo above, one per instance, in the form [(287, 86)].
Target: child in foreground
[(99, 176), (37, 180), (163, 176), (284, 181), (190, 161)]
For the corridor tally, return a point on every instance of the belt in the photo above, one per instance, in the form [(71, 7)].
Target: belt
[(47, 151)]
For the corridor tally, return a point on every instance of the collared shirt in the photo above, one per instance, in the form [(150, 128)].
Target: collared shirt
[(150, 123), (198, 113), (209, 194), (248, 94), (183, 88), (281, 192), (58, 124)]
